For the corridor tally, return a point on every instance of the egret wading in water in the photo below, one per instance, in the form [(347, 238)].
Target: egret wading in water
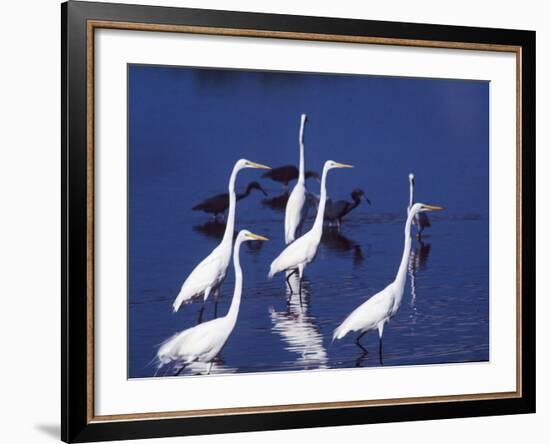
[(203, 342), (303, 250), (380, 308), (218, 204), (336, 210), (207, 277), (296, 208), (421, 220)]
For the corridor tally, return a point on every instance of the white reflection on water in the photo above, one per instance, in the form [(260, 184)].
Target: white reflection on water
[(417, 261), (298, 330)]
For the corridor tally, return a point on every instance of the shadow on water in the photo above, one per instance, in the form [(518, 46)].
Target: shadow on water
[(298, 330), (335, 241), (277, 203), (211, 229), (200, 368)]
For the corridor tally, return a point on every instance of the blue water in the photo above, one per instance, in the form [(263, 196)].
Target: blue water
[(188, 126)]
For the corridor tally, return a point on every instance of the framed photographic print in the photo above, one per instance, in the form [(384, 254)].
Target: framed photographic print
[(277, 221)]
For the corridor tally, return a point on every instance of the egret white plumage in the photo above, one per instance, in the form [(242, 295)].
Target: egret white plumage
[(421, 220), (296, 208), (303, 250), (203, 342), (376, 311), (209, 274)]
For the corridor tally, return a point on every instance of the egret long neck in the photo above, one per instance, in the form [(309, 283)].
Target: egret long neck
[(318, 224), (302, 174), (401, 276), (236, 301), (230, 223), (411, 191)]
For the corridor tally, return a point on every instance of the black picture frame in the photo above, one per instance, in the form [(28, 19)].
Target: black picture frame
[(76, 423)]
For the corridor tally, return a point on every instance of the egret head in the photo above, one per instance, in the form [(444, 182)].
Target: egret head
[(411, 178), (303, 118), (330, 164), (420, 207), (245, 235), (244, 163)]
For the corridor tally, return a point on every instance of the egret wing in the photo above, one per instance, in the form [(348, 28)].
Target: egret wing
[(367, 316), (207, 274)]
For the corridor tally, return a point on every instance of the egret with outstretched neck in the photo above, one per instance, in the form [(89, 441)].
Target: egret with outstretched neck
[(207, 277), (303, 250), (421, 220), (296, 208), (376, 311), (203, 342)]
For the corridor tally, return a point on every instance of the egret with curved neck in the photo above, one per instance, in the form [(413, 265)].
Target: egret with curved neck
[(295, 212), (380, 308), (208, 275), (203, 342), (303, 250)]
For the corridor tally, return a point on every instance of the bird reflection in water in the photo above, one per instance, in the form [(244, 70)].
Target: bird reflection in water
[(335, 241), (299, 331), (200, 368), (417, 261)]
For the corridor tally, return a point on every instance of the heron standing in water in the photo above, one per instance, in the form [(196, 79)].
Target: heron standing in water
[(207, 277), (303, 250), (296, 208), (203, 342), (218, 204), (336, 210), (376, 311)]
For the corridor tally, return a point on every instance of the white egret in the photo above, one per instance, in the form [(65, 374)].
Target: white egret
[(296, 208), (380, 308), (207, 277), (303, 250), (203, 342), (421, 220)]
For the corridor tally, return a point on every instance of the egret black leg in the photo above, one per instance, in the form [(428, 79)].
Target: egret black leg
[(201, 311), (180, 370), (359, 343), (288, 280), (380, 352)]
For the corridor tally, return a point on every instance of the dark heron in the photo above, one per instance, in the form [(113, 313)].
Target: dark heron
[(286, 174), (336, 210), (421, 220), (218, 204)]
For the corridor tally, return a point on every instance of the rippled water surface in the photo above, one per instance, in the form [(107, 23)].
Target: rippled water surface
[(187, 128)]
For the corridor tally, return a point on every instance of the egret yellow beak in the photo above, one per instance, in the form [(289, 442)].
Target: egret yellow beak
[(256, 237), (433, 207), (258, 165), (342, 165)]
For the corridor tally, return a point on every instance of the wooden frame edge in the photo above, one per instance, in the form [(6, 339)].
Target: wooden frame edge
[(96, 24)]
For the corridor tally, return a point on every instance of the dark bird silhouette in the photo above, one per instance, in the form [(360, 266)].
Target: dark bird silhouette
[(218, 204), (336, 210), (286, 174), (277, 203)]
